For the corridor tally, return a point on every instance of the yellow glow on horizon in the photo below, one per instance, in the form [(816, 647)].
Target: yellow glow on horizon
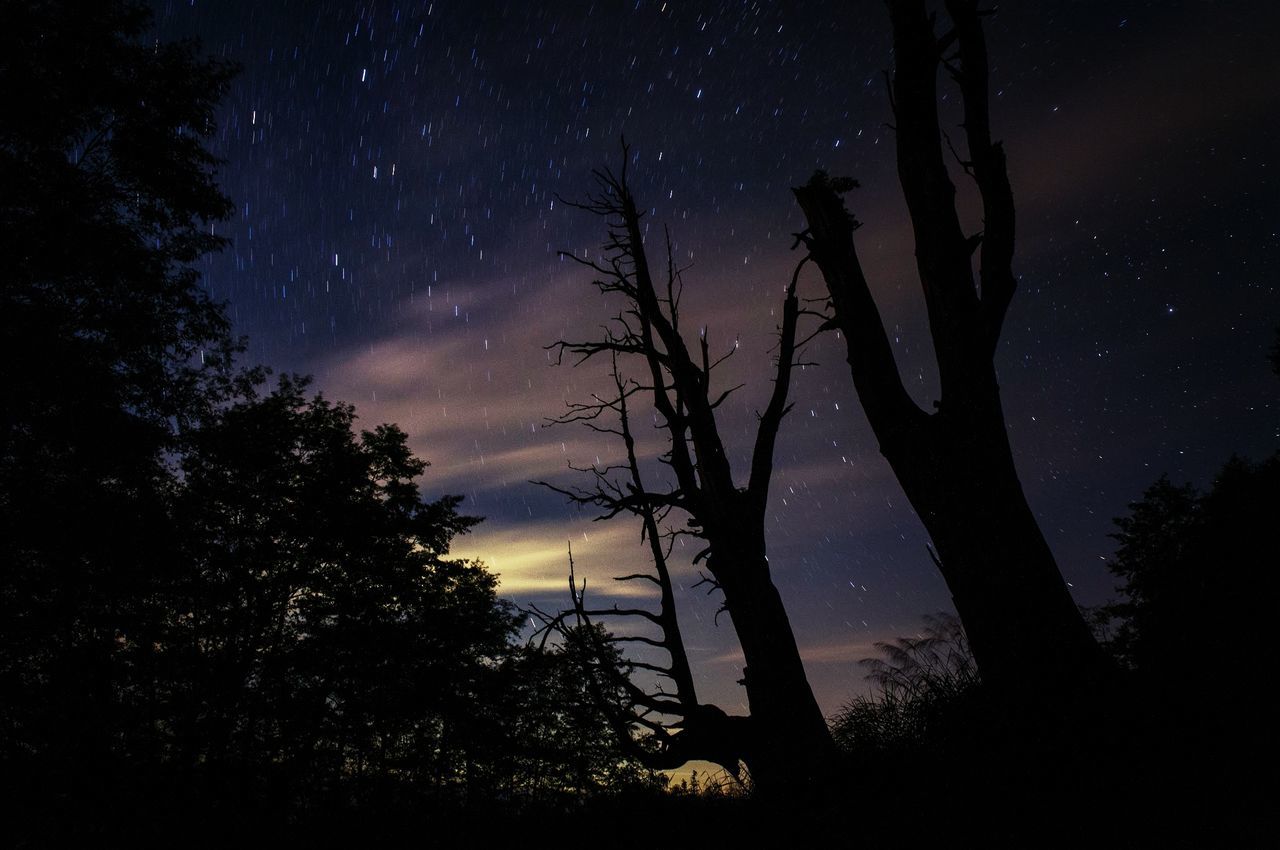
[(534, 559)]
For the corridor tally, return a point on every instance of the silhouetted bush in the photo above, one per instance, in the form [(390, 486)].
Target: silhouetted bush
[(1198, 577), (918, 680)]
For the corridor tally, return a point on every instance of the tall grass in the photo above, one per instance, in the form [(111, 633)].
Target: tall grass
[(917, 681)]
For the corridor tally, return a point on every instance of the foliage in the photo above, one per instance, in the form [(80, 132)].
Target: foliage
[(917, 681), (318, 628), (714, 785), (1196, 574), (108, 194), (563, 720), (1152, 537), (107, 345)]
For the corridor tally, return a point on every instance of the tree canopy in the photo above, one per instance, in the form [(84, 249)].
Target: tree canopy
[(1194, 570), (316, 617), (108, 346)]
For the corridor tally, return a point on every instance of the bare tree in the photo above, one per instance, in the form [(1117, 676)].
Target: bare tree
[(786, 739), (954, 462), (675, 726)]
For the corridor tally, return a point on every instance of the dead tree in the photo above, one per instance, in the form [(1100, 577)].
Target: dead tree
[(789, 741), (675, 728), (954, 462)]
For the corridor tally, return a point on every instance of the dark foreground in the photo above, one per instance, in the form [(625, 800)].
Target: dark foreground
[(1168, 780)]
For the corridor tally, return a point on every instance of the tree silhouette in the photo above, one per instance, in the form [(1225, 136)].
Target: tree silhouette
[(319, 628), (700, 731), (787, 739), (558, 720), (954, 462), (918, 681), (1194, 571), (108, 348), (1194, 626)]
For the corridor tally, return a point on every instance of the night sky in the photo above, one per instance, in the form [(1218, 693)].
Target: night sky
[(395, 168)]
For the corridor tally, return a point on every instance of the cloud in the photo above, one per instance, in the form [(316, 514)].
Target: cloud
[(844, 652), (472, 390), (532, 558), (840, 652), (465, 375)]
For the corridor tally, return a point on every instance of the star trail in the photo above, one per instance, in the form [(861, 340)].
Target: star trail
[(397, 170)]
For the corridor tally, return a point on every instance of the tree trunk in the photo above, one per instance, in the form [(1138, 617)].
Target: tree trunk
[(955, 463), (1023, 626), (790, 744)]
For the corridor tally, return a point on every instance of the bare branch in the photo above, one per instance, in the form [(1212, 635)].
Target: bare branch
[(942, 258), (729, 519), (989, 170), (771, 419), (637, 577)]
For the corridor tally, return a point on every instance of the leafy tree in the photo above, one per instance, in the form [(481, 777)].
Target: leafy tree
[(317, 628), (107, 347), (1197, 577), (559, 720), (1197, 574), (1152, 539)]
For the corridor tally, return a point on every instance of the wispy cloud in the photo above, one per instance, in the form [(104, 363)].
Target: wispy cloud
[(532, 558), (839, 652)]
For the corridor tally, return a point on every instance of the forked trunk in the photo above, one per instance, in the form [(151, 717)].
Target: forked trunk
[(954, 463)]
